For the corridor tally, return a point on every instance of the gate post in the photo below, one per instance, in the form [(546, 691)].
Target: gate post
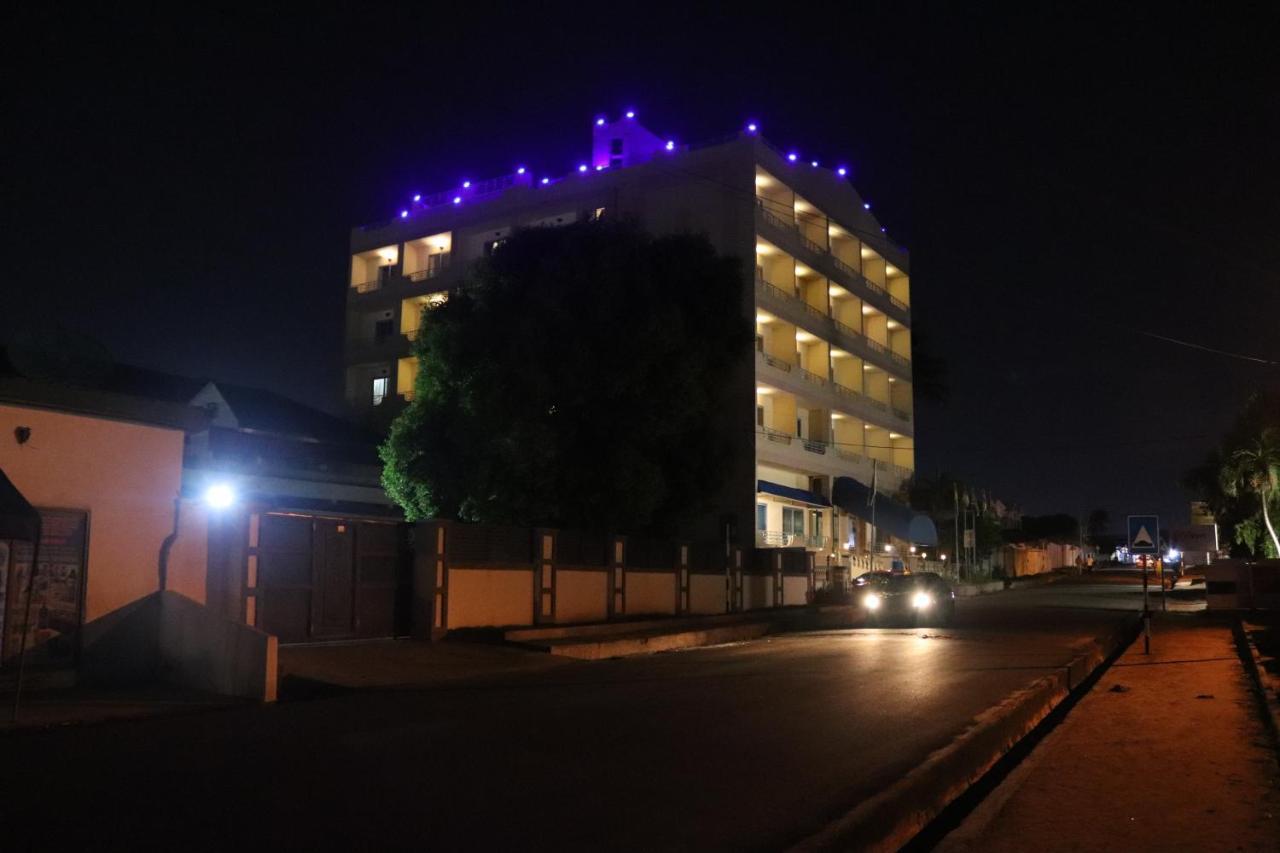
[(617, 585), (682, 579), (544, 577), (777, 577), (431, 580), (737, 580)]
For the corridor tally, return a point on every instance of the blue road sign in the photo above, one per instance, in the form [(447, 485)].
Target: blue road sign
[(1144, 534)]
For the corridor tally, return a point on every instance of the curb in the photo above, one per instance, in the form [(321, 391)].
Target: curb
[(1264, 684), (893, 817), (615, 647)]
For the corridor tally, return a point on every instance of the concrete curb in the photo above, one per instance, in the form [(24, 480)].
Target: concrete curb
[(1267, 687), (614, 647), (893, 817)]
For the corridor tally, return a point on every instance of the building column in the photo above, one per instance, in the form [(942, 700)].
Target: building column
[(776, 553), (544, 577), (682, 580), (617, 585)]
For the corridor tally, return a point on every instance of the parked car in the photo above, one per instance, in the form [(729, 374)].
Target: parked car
[(922, 598)]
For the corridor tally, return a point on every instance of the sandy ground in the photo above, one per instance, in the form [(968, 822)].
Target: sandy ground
[(1167, 752)]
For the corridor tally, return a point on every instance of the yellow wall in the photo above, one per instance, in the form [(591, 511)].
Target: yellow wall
[(581, 596), (490, 597), (780, 341), (784, 413), (126, 476), (900, 287), (406, 375), (651, 592)]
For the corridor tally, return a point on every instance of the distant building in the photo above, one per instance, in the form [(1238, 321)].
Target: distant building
[(828, 388)]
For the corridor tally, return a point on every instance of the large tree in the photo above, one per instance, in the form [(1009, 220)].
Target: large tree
[(577, 376), (1233, 479), (1255, 469)]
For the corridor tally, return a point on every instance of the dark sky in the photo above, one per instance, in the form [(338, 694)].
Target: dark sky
[(182, 189)]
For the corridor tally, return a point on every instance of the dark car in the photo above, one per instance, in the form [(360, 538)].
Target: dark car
[(922, 598)]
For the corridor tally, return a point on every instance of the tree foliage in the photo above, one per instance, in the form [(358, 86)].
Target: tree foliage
[(577, 377), (1240, 476)]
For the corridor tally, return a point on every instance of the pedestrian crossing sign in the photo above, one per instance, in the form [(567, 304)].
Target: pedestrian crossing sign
[(1144, 534)]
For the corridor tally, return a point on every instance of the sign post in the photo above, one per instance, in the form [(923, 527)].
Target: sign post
[(1144, 540)]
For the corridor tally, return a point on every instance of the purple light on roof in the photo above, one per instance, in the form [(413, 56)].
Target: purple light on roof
[(546, 181), (457, 199), (752, 127), (600, 122), (866, 205), (466, 185), (417, 197), (600, 168), (813, 163), (671, 146), (520, 170), (404, 214), (582, 167), (793, 156), (842, 171), (882, 230), (631, 113)]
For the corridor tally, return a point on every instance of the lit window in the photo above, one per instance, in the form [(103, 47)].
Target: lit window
[(380, 389), (762, 515)]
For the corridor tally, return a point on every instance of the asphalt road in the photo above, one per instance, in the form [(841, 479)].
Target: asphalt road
[(749, 746)]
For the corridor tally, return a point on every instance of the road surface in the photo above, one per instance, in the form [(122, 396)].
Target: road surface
[(749, 746)]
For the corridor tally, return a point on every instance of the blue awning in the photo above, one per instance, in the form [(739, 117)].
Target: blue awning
[(792, 493), (897, 519)]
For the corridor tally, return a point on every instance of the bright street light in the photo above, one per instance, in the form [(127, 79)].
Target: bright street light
[(219, 496)]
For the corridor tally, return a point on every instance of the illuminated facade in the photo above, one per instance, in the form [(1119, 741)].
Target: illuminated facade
[(828, 386)]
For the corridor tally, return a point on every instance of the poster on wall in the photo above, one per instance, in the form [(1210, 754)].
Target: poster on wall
[(56, 610)]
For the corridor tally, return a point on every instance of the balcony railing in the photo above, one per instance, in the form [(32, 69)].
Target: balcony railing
[(412, 334), (774, 361), (815, 446), (849, 455), (436, 264), (775, 219), (815, 378), (845, 268), (369, 286), (773, 290), (813, 246), (777, 435), (898, 303), (900, 358), (901, 415), (780, 539), (876, 346)]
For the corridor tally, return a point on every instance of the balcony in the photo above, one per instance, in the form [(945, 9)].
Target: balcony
[(796, 311), (436, 264), (779, 539), (823, 391), (847, 276)]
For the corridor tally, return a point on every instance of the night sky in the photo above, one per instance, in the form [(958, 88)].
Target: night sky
[(183, 190)]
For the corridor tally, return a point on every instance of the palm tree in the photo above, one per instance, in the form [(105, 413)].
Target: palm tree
[(1256, 468)]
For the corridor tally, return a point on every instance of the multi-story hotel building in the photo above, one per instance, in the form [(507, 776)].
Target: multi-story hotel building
[(822, 407)]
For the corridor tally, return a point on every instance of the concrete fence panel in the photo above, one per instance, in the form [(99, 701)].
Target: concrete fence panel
[(707, 594), (651, 593), (489, 597), (582, 596)]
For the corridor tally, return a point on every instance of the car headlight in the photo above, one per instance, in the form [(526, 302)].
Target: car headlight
[(921, 600), (871, 601)]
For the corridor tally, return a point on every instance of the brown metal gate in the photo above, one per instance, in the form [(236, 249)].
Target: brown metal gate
[(324, 578)]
